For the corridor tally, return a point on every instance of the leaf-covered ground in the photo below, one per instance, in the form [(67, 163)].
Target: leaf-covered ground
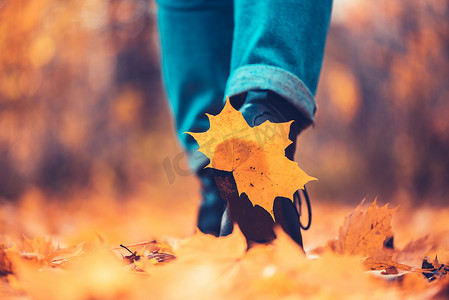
[(51, 250), (101, 137)]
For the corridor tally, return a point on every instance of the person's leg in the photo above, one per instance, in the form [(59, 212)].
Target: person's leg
[(276, 60), (279, 46), (196, 40)]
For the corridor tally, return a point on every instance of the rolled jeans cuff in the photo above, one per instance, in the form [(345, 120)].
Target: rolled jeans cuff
[(280, 81)]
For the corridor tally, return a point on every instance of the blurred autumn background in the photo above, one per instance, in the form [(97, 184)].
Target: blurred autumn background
[(87, 144), (82, 106)]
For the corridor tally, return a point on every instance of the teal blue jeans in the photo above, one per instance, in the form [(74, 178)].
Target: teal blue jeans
[(213, 48)]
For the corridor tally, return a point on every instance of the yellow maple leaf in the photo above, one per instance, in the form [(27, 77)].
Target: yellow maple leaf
[(255, 156)]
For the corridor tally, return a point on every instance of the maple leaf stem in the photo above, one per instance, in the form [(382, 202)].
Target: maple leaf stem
[(126, 248), (138, 244)]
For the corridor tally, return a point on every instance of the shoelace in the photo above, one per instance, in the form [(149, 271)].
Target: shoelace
[(297, 199)]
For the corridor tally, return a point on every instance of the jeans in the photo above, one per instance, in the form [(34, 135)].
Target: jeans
[(212, 48)]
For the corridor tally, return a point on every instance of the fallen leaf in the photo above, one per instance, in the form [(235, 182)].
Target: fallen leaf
[(132, 258), (255, 156), (381, 265), (160, 257), (142, 259), (38, 249), (42, 252), (367, 233), (433, 270), (67, 254)]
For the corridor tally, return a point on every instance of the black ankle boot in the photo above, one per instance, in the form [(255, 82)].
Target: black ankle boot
[(255, 223)]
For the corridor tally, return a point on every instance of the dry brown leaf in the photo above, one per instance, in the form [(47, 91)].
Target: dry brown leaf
[(38, 250), (142, 259), (255, 156), (366, 233)]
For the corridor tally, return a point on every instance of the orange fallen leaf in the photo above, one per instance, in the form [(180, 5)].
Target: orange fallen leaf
[(366, 233), (41, 252), (255, 156)]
